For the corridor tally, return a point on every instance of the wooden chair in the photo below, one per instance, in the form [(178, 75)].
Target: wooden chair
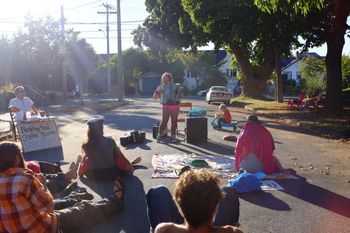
[(13, 125), (185, 108)]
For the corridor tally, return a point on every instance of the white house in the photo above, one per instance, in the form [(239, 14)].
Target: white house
[(292, 67), (191, 81)]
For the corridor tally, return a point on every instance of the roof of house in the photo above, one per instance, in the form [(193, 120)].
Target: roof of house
[(300, 56)]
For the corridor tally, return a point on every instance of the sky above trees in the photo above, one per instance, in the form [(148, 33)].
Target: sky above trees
[(85, 11)]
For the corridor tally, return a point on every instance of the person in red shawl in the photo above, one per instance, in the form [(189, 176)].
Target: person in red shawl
[(254, 149)]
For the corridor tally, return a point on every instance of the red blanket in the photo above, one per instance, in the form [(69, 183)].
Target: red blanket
[(255, 139)]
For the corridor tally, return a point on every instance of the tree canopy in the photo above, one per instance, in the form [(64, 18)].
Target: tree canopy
[(330, 29), (254, 37)]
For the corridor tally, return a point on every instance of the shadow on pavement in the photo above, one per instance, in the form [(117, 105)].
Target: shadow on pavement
[(317, 195), (265, 199), (130, 122), (134, 216), (142, 146), (202, 148)]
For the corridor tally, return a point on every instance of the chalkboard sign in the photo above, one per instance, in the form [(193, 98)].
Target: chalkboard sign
[(38, 135)]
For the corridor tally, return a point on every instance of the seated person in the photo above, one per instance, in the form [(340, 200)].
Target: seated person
[(204, 206), (101, 153), (223, 116), (255, 147), (21, 104), (27, 206), (56, 180)]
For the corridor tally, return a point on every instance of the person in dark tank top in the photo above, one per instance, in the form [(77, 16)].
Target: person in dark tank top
[(103, 160)]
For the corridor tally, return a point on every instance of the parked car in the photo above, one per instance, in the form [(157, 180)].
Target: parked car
[(218, 94), (202, 93)]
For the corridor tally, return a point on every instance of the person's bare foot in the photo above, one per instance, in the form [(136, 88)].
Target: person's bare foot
[(136, 161), (118, 190), (72, 172)]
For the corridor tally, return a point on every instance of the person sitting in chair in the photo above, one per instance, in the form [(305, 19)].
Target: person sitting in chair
[(21, 104)]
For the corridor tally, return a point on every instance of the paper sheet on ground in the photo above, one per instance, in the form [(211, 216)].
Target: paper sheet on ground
[(168, 166), (270, 185)]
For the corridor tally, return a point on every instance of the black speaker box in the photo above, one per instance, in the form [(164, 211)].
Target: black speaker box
[(196, 130)]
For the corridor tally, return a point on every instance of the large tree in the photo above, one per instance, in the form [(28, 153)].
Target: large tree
[(254, 37), (332, 32)]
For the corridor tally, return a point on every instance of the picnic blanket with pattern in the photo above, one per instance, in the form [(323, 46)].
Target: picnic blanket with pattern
[(169, 166)]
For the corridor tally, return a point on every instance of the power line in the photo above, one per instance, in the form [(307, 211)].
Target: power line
[(97, 37), (81, 6), (56, 12), (130, 22)]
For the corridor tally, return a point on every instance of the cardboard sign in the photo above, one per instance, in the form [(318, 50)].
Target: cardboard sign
[(38, 135)]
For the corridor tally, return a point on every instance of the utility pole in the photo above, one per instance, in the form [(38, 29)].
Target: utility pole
[(107, 12), (64, 77), (120, 56)]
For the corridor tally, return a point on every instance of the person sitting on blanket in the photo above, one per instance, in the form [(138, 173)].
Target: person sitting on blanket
[(255, 147), (103, 159), (223, 116), (27, 206), (204, 206)]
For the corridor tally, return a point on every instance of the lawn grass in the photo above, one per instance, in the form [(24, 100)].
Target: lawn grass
[(316, 120)]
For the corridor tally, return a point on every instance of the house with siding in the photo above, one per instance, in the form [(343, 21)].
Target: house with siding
[(192, 81), (292, 66)]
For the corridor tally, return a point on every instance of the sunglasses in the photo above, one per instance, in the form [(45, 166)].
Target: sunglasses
[(20, 91)]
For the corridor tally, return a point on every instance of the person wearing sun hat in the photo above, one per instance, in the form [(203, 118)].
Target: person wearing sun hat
[(103, 160)]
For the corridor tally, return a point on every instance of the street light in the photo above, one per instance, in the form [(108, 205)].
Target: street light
[(108, 61)]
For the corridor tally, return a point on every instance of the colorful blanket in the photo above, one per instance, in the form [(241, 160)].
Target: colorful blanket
[(169, 166)]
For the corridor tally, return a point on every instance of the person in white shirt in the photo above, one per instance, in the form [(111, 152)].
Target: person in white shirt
[(21, 104)]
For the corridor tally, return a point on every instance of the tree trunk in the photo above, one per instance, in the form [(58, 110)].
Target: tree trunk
[(335, 43), (278, 68), (253, 86), (254, 80)]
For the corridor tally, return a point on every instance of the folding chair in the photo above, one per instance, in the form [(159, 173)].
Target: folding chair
[(185, 108), (297, 103), (314, 103)]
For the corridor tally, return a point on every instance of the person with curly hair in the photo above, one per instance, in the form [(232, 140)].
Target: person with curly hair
[(205, 207)]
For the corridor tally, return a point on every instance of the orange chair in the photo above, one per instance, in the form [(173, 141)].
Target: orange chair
[(185, 108)]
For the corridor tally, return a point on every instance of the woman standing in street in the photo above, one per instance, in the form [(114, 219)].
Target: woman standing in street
[(169, 95)]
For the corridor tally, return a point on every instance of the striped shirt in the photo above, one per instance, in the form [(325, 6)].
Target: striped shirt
[(25, 206)]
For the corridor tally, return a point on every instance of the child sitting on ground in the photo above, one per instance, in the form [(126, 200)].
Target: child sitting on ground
[(223, 116)]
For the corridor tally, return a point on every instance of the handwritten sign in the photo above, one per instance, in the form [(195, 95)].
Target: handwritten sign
[(38, 135)]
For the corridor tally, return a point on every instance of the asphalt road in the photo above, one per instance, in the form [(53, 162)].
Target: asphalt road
[(319, 201)]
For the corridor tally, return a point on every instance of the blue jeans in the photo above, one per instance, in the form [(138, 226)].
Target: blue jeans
[(220, 121), (162, 208)]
